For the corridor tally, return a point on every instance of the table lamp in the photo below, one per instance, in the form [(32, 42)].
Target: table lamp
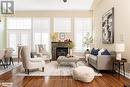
[(119, 48)]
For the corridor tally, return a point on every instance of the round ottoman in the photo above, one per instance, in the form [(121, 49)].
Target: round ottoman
[(83, 73)]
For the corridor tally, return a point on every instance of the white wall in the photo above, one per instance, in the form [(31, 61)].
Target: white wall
[(122, 24)]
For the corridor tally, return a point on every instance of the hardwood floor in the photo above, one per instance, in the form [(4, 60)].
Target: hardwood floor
[(107, 80)]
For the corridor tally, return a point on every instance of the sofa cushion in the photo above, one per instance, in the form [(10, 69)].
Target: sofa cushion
[(105, 52), (94, 51)]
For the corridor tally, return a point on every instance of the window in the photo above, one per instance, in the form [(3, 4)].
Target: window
[(41, 32), (18, 23), (13, 41), (16, 35), (37, 38), (24, 38), (62, 24), (81, 27)]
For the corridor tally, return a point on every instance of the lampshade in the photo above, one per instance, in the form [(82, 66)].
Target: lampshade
[(120, 47)]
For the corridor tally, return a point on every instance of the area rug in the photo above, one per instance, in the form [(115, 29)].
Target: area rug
[(10, 67), (53, 69)]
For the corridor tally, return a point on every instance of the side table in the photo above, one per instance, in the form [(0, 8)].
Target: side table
[(119, 64)]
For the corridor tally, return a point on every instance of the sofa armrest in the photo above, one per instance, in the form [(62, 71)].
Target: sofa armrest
[(105, 61), (103, 58)]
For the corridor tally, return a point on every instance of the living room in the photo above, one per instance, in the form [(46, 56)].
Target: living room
[(65, 43)]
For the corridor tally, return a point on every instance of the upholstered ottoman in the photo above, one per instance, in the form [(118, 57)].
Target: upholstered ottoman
[(83, 73)]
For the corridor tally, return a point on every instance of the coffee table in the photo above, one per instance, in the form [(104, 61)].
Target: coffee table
[(62, 59)]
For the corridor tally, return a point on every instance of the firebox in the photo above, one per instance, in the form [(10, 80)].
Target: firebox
[(61, 51)]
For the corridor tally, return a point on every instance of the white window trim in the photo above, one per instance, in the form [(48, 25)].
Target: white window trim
[(91, 32)]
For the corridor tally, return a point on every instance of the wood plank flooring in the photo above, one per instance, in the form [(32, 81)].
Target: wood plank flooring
[(107, 80)]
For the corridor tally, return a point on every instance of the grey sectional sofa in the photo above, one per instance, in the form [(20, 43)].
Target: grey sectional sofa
[(102, 62)]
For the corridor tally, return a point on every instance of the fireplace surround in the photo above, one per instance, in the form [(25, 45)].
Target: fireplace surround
[(59, 49)]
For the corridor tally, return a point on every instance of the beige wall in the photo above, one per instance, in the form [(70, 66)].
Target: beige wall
[(54, 13), (122, 24), (2, 33)]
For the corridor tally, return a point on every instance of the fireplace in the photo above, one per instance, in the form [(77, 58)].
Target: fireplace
[(61, 51)]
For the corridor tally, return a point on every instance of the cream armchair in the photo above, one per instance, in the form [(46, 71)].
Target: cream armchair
[(41, 52), (30, 63), (2, 53), (8, 55)]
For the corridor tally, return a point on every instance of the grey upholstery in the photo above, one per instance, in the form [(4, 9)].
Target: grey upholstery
[(62, 60), (102, 62)]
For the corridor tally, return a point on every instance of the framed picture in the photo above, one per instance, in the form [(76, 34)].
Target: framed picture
[(108, 27), (62, 35)]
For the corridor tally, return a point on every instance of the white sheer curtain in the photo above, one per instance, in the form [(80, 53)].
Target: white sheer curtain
[(18, 23), (81, 27), (41, 32), (62, 24), (18, 32)]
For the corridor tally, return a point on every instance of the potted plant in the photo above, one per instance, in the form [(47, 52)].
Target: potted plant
[(70, 47), (88, 39)]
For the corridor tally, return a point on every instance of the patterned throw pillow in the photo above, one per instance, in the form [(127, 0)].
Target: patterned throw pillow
[(94, 51), (106, 52)]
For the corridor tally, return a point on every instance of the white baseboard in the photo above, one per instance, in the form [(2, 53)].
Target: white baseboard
[(126, 74)]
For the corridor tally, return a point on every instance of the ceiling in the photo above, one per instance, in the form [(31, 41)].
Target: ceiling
[(39, 5)]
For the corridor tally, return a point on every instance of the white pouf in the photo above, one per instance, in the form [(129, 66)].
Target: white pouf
[(83, 73)]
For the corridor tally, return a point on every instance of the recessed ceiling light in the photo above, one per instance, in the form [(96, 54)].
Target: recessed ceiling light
[(64, 1)]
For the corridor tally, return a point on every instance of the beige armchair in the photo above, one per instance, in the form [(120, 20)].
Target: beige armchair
[(8, 55), (2, 53), (30, 63), (41, 52)]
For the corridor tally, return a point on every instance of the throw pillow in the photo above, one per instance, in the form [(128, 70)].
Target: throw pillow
[(105, 52), (100, 51), (94, 51)]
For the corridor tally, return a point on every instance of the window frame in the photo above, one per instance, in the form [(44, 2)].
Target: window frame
[(83, 34), (16, 23)]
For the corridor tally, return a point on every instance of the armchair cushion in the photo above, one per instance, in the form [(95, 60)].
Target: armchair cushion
[(28, 62), (35, 59)]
